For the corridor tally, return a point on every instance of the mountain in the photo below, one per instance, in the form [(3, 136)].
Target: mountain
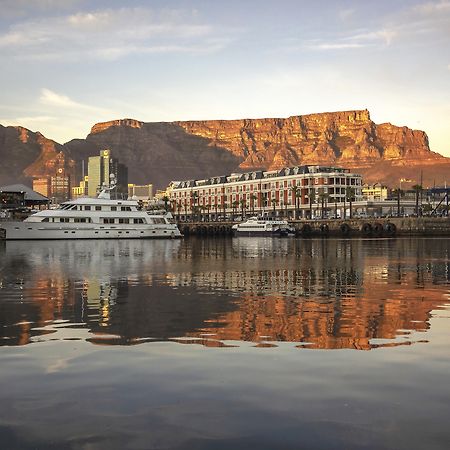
[(161, 152), (25, 154)]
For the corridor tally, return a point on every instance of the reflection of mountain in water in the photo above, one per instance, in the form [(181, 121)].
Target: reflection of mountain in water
[(329, 294)]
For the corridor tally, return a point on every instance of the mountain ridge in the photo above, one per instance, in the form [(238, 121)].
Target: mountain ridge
[(159, 152)]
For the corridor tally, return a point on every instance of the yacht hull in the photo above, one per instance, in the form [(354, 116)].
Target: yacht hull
[(277, 233), (37, 231)]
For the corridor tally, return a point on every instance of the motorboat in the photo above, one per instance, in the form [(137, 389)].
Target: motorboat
[(255, 226), (93, 218)]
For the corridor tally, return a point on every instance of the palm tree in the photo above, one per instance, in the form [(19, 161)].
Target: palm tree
[(274, 202), (418, 190), (194, 202), (243, 205), (208, 208), (350, 194), (253, 197), (398, 192), (235, 205), (323, 196), (312, 198), (166, 199), (185, 209), (295, 193)]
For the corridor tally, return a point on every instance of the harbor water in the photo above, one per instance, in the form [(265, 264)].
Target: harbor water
[(221, 343)]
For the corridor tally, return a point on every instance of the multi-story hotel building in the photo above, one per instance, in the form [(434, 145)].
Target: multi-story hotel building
[(304, 191)]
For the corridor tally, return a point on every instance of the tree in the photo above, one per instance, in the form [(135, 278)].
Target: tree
[(253, 197), (194, 203), (312, 199), (417, 188), (274, 202), (323, 196), (235, 205), (398, 193), (166, 200), (350, 194), (296, 194), (208, 208), (243, 205)]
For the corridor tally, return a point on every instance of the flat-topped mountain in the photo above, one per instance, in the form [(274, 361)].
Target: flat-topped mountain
[(165, 151)]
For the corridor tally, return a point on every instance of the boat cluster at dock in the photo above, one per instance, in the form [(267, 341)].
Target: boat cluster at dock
[(93, 218), (106, 218)]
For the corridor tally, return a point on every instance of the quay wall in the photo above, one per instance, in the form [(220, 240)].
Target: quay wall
[(367, 227)]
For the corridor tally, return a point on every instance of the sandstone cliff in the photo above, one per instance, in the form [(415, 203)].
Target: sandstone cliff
[(161, 152)]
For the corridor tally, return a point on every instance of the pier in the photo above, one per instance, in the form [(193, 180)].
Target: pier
[(357, 227)]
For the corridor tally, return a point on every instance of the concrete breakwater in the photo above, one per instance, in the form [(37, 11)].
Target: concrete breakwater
[(366, 227)]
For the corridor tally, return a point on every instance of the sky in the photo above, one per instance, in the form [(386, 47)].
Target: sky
[(67, 65)]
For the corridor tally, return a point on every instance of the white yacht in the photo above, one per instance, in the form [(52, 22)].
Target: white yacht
[(262, 227), (93, 218)]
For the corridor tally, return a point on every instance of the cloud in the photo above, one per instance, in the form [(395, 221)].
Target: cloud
[(111, 34), (61, 101), (432, 8), (334, 46), (360, 39), (20, 8)]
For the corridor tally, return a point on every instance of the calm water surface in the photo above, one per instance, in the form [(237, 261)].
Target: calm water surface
[(246, 343)]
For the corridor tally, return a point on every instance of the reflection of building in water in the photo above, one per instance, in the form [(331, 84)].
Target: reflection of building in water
[(331, 294), (99, 296), (328, 310)]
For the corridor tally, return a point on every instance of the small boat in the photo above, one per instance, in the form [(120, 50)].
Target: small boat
[(93, 218), (262, 227)]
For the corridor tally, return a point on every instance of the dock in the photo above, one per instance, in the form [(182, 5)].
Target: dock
[(357, 227)]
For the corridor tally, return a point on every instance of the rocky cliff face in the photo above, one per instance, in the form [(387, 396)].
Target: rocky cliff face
[(161, 152), (334, 138), (24, 154)]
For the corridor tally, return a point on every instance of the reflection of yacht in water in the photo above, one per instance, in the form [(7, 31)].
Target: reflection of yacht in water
[(262, 227), (93, 218)]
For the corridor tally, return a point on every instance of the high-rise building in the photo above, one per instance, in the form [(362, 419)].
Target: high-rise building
[(43, 186), (82, 189), (100, 169), (55, 181)]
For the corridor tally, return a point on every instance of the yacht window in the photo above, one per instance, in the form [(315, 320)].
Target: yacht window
[(124, 220), (98, 208), (138, 220), (64, 219), (113, 208), (45, 220), (87, 208), (108, 220), (125, 208), (81, 220)]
